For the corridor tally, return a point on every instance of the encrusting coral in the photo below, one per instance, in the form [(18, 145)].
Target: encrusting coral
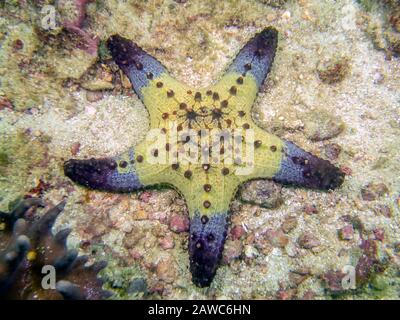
[(28, 245)]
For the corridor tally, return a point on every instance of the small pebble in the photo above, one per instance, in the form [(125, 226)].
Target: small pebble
[(232, 251), (374, 191), (333, 280), (145, 196), (140, 215), (332, 151), (297, 278), (322, 125), (237, 232), (308, 241), (75, 148), (333, 70), (179, 223), (346, 170), (165, 270), (288, 294), (264, 193), (137, 285), (309, 295), (379, 234), (94, 96), (384, 210), (289, 224), (166, 243), (90, 110), (250, 252), (310, 209), (277, 238), (346, 233)]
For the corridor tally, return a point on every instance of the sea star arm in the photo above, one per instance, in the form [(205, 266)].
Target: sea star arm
[(286, 163), (256, 57), (244, 77), (301, 168), (109, 174), (159, 91)]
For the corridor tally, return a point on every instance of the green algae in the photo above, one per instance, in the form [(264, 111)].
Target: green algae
[(118, 280), (33, 68), (383, 24), (21, 163)]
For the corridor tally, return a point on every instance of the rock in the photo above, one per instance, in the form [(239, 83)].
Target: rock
[(75, 148), (289, 224), (237, 232), (157, 288), (379, 234), (393, 40), (333, 70), (322, 125), (308, 241), (5, 104), (309, 295), (395, 20), (250, 252), (288, 294), (137, 285), (346, 233), (333, 281), (297, 278), (179, 223), (264, 193), (373, 191), (370, 262), (165, 270), (232, 251), (97, 85), (275, 3), (277, 238), (332, 151), (166, 242), (346, 170), (310, 209), (384, 210), (397, 248), (93, 96), (135, 254), (145, 196), (140, 215), (159, 216)]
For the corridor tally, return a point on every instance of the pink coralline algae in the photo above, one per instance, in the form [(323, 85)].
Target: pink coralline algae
[(88, 43), (179, 223)]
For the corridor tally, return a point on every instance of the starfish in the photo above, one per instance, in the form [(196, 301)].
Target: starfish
[(180, 152)]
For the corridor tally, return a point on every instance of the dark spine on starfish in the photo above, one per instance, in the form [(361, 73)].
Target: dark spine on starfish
[(139, 66), (102, 174), (257, 56), (301, 168), (206, 243)]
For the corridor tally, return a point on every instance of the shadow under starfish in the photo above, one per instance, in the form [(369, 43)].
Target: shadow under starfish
[(210, 184)]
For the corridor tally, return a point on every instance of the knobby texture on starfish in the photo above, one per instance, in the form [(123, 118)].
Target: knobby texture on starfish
[(208, 185)]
